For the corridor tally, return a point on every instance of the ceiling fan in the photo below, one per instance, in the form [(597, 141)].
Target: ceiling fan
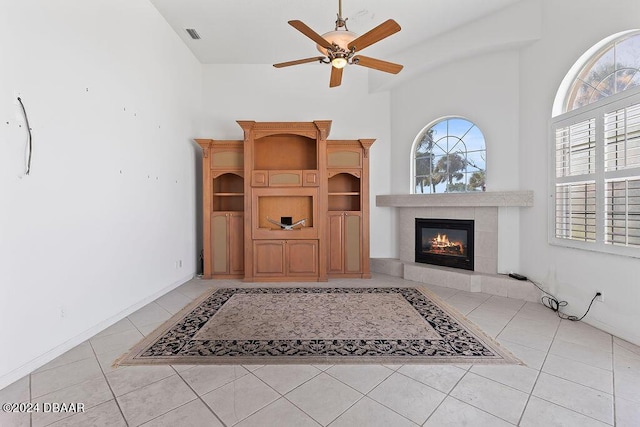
[(339, 47)]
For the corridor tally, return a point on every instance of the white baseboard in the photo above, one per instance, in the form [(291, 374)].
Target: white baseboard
[(47, 357)]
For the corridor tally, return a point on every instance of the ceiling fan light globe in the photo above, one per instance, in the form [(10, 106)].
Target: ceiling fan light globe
[(339, 62), (340, 37)]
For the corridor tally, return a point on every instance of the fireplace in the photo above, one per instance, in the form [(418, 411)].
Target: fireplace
[(446, 242)]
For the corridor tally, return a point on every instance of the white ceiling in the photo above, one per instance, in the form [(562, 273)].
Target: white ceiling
[(256, 31)]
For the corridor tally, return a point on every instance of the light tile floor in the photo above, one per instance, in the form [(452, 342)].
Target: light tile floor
[(575, 375)]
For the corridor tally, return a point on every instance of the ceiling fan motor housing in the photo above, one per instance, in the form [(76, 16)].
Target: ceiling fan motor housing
[(341, 38)]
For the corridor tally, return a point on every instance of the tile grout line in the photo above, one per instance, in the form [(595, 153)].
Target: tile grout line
[(524, 409), (548, 352), (30, 400), (466, 372), (115, 399), (575, 412), (613, 377), (393, 371), (162, 322), (389, 408), (577, 383), (198, 397), (448, 394), (259, 409), (41, 370), (296, 387)]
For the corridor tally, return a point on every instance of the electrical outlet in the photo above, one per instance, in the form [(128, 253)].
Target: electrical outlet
[(599, 297)]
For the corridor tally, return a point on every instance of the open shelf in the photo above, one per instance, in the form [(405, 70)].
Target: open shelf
[(344, 202), (228, 183), (344, 192), (285, 152), (228, 193), (228, 203), (276, 207), (344, 183)]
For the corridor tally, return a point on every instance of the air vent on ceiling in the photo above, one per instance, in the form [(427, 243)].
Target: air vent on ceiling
[(193, 33)]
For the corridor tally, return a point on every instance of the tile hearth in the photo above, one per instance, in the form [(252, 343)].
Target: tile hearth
[(495, 217), (574, 375)]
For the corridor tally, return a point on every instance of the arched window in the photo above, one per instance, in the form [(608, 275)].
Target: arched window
[(449, 155), (596, 140), (614, 68)]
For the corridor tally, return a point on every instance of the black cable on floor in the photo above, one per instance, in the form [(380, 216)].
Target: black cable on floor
[(554, 304)]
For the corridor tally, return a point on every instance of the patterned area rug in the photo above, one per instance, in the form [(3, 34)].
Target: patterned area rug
[(317, 325)]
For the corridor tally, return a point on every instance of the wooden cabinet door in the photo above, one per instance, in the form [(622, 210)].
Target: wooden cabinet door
[(335, 246), (219, 238), (236, 243), (352, 243), (345, 243), (227, 243), (302, 257), (268, 258), (285, 258)]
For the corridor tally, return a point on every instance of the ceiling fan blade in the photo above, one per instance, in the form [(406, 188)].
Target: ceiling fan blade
[(304, 29), (298, 61), (377, 64), (336, 76), (378, 33)]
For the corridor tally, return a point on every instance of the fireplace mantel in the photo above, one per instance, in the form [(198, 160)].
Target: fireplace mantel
[(479, 199), (495, 248)]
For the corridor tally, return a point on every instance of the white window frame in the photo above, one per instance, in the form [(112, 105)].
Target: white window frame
[(418, 138), (596, 110)]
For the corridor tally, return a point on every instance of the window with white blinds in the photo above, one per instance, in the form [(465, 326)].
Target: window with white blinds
[(576, 211), (595, 176), (622, 204), (622, 138), (575, 149), (596, 179)]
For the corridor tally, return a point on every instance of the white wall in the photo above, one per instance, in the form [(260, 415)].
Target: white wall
[(570, 28), (113, 98), (301, 93), (509, 95), (483, 89)]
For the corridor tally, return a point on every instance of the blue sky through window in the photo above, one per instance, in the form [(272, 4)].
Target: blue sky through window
[(456, 160)]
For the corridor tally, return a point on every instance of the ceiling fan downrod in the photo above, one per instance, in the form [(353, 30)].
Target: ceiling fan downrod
[(340, 22)]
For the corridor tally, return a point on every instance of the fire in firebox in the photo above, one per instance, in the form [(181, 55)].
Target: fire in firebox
[(445, 242), (440, 244)]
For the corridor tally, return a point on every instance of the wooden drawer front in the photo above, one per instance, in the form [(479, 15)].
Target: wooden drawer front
[(285, 178), (310, 178), (344, 159), (259, 179)]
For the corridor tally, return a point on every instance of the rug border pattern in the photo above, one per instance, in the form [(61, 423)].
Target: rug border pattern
[(462, 342)]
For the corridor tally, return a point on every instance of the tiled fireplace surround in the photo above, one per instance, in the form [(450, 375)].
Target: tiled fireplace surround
[(483, 208)]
